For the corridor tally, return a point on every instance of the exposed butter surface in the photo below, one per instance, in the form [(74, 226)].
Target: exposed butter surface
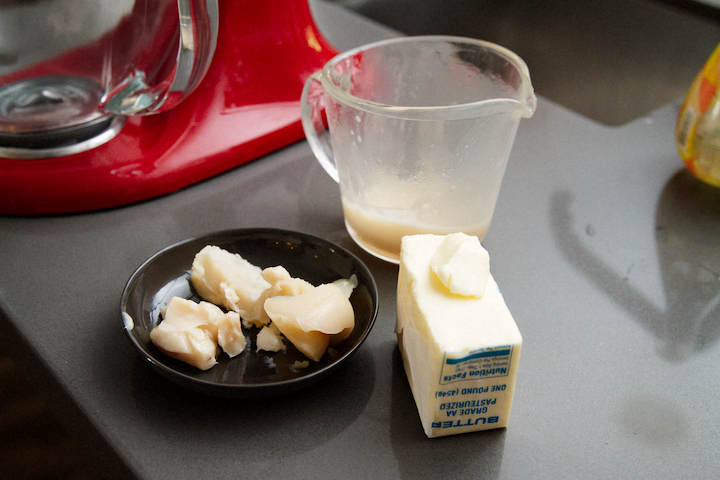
[(460, 352), (462, 264)]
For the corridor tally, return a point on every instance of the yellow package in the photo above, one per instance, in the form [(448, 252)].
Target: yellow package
[(697, 133)]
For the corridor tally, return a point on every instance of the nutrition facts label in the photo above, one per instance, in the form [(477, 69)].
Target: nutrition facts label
[(476, 365)]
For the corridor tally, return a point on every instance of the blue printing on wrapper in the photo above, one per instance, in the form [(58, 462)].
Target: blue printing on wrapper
[(478, 365)]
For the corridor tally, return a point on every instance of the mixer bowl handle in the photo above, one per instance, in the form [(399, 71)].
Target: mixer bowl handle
[(198, 20)]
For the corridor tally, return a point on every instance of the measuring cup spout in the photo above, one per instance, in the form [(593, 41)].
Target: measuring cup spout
[(520, 98), (516, 99), (514, 108), (529, 100)]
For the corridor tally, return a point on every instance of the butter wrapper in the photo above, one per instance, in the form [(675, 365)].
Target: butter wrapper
[(460, 354)]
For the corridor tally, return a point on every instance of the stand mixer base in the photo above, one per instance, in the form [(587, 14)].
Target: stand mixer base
[(247, 105)]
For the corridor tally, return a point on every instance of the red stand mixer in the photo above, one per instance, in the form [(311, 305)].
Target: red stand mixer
[(246, 105)]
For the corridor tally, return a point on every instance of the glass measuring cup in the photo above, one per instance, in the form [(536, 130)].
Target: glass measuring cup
[(420, 130)]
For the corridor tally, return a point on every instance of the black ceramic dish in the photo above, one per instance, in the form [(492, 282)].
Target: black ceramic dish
[(251, 374)]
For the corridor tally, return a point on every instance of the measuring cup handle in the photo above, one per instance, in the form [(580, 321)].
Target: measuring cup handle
[(312, 106)]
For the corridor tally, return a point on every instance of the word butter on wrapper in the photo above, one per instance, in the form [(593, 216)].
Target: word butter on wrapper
[(459, 343)]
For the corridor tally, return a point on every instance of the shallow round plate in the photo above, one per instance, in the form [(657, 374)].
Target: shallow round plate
[(251, 374)]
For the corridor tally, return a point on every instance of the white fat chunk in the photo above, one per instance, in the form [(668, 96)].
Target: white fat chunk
[(281, 283), (269, 339), (275, 274), (456, 350), (347, 285), (462, 264), (312, 319), (323, 309), (230, 334), (312, 344), (190, 332), (290, 287), (229, 280)]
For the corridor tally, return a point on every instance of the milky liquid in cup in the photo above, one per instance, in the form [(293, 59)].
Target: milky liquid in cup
[(381, 235), (383, 213)]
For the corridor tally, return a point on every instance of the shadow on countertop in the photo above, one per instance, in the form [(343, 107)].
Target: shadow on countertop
[(33, 443), (687, 226)]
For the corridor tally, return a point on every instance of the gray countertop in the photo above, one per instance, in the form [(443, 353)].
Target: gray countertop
[(607, 252)]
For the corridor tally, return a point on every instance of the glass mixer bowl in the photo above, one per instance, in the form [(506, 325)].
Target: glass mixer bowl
[(70, 73)]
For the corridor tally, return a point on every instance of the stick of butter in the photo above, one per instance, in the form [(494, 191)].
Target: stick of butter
[(459, 343)]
